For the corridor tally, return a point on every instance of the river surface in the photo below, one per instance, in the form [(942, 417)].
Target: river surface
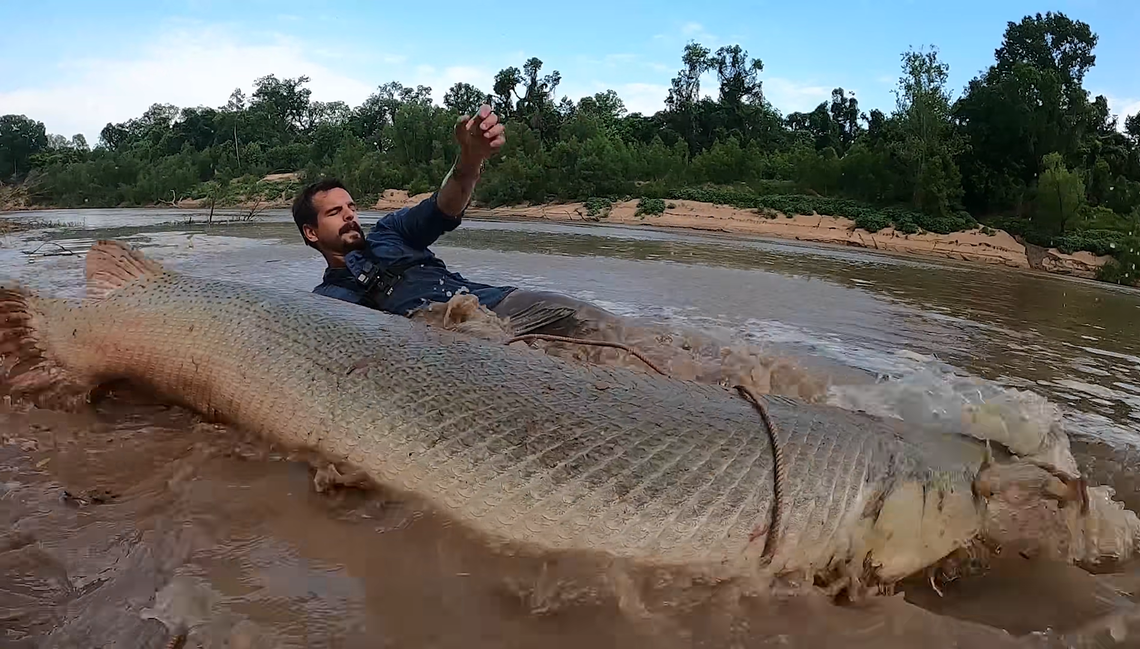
[(137, 510)]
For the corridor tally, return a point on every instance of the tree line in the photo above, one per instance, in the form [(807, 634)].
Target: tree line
[(1023, 147)]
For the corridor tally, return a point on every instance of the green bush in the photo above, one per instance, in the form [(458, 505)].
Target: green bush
[(733, 196), (599, 207), (866, 217), (419, 186), (1124, 268), (1098, 242), (650, 206)]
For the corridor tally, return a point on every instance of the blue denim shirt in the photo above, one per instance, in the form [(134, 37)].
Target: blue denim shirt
[(404, 236)]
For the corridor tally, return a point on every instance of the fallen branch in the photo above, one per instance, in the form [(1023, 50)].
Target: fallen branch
[(173, 202), (65, 253), (252, 211)]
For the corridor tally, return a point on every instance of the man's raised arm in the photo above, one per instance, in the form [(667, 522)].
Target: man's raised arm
[(479, 136)]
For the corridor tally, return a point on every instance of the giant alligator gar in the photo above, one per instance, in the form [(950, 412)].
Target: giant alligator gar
[(519, 447)]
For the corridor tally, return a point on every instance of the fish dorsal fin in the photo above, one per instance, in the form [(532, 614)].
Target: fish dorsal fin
[(112, 265)]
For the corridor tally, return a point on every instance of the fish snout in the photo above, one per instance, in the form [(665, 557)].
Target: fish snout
[(1038, 511)]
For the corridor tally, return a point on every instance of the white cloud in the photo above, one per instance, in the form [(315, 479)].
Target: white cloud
[(791, 96), (645, 98), (621, 59), (182, 68), (1122, 108), (697, 32), (691, 28), (441, 80)]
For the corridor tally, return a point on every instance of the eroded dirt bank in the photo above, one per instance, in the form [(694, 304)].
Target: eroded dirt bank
[(999, 248)]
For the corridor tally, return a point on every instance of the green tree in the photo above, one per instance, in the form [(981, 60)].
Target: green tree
[(927, 143), (606, 106), (464, 99), (739, 76), (844, 113), (1028, 103), (280, 106), (20, 139), (1132, 127), (1060, 196)]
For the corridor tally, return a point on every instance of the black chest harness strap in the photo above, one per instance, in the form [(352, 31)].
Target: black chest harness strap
[(379, 281)]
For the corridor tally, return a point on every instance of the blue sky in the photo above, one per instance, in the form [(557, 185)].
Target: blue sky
[(77, 65)]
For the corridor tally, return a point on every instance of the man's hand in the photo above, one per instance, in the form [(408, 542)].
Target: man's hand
[(479, 136)]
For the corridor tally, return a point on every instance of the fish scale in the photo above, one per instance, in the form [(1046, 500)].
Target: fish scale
[(516, 445)]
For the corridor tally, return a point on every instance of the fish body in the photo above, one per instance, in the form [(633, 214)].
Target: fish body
[(520, 448)]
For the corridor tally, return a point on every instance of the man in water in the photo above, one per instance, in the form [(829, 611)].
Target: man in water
[(392, 269)]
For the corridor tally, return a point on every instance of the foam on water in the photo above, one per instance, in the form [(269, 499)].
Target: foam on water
[(938, 397)]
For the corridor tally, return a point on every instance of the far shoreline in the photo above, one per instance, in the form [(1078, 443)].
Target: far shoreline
[(997, 248), (972, 246)]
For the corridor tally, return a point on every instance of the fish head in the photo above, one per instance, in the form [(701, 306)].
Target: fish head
[(1036, 510)]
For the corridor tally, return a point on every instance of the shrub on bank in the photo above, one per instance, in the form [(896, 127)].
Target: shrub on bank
[(1099, 241), (865, 216), (650, 206), (1125, 267), (598, 206)]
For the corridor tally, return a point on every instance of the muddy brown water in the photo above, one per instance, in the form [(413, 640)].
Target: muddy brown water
[(123, 525)]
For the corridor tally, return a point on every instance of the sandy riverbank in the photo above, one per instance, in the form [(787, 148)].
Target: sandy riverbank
[(999, 248)]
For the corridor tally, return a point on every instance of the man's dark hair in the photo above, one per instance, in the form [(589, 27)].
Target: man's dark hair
[(303, 211)]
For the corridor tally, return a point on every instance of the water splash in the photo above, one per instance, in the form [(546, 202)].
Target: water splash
[(935, 396)]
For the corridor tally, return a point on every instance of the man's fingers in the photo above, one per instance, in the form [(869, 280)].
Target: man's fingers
[(489, 121), (499, 141), (494, 132)]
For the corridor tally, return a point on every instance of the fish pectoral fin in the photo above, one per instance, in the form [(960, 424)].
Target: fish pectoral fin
[(537, 316), (112, 265)]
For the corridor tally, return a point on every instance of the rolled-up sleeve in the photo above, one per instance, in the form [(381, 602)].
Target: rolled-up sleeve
[(422, 224)]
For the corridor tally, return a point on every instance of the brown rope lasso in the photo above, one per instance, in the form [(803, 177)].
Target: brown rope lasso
[(779, 473), (779, 470)]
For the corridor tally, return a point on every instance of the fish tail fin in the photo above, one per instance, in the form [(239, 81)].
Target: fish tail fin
[(28, 371), (111, 265)]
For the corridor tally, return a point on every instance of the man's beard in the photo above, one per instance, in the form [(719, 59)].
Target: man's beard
[(355, 243)]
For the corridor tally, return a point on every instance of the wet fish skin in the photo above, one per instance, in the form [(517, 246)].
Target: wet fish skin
[(520, 447)]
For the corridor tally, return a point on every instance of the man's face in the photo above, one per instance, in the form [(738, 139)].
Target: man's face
[(337, 229)]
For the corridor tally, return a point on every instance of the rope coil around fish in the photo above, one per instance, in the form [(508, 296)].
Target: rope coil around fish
[(779, 469)]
